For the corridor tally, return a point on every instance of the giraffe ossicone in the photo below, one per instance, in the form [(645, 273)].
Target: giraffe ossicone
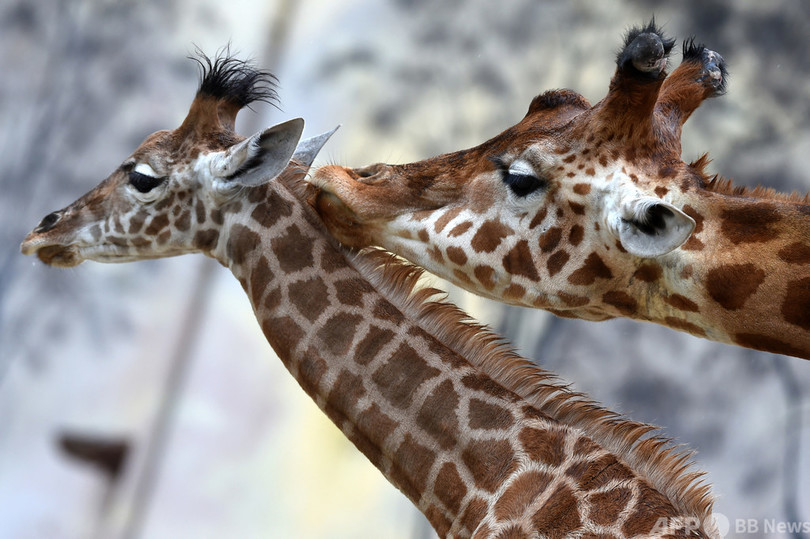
[(483, 442), (590, 212)]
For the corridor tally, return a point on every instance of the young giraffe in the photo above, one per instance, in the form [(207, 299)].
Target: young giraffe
[(483, 442), (589, 212)]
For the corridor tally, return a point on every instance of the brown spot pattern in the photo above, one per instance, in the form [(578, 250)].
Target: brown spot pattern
[(372, 343), (682, 303), (384, 310), (260, 277), (199, 211), (310, 297), (375, 424), (438, 520), (293, 250), (417, 459), (485, 276), (557, 262), (594, 474), (623, 301), (445, 218), (312, 367), (769, 344), (641, 522), (136, 223), (559, 516), (649, 273), (476, 509), (732, 284), (521, 493), (583, 188), (539, 217), (271, 209), (351, 291), (549, 241), (544, 445), (403, 373), (241, 242), (519, 261), (438, 416), (683, 325), (610, 503), (449, 487), (456, 255), (513, 532), (158, 223), (489, 236), (485, 384), (206, 240), (282, 333), (750, 224), (593, 268), (585, 446), (576, 235), (483, 415), (460, 229), (346, 392), (337, 333), (571, 300), (795, 253), (796, 307), (489, 461)]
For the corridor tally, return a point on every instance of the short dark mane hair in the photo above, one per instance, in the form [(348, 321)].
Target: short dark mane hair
[(238, 82)]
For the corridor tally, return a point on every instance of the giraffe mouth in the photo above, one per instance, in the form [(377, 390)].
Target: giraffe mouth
[(71, 255), (59, 256)]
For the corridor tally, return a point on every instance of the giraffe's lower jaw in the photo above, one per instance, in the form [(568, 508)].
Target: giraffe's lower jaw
[(59, 256), (68, 256)]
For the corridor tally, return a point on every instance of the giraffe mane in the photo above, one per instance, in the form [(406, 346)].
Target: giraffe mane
[(667, 466), (726, 186), (237, 82)]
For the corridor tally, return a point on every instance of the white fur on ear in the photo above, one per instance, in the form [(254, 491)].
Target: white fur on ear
[(259, 158), (648, 227), (225, 164)]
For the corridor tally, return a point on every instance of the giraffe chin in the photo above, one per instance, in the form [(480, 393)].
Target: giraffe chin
[(60, 256), (69, 256)]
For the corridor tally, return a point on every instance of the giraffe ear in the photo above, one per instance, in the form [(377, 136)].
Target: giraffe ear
[(648, 227), (260, 158)]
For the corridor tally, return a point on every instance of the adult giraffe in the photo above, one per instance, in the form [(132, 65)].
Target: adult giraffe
[(589, 212), (483, 442)]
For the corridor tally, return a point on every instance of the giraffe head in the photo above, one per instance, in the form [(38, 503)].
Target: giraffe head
[(556, 210), (172, 194)]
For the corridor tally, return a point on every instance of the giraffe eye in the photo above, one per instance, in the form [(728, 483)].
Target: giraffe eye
[(144, 178), (523, 184)]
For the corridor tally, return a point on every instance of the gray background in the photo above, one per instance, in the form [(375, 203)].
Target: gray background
[(166, 355)]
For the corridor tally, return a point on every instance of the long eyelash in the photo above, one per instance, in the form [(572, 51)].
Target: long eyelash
[(142, 182)]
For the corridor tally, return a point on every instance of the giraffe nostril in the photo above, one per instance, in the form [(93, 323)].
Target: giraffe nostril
[(49, 221), (369, 171), (364, 173)]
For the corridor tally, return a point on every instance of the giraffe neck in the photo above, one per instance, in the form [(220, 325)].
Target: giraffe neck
[(475, 437), (742, 278)]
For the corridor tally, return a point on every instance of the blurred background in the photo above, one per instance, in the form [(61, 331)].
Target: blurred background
[(141, 401)]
